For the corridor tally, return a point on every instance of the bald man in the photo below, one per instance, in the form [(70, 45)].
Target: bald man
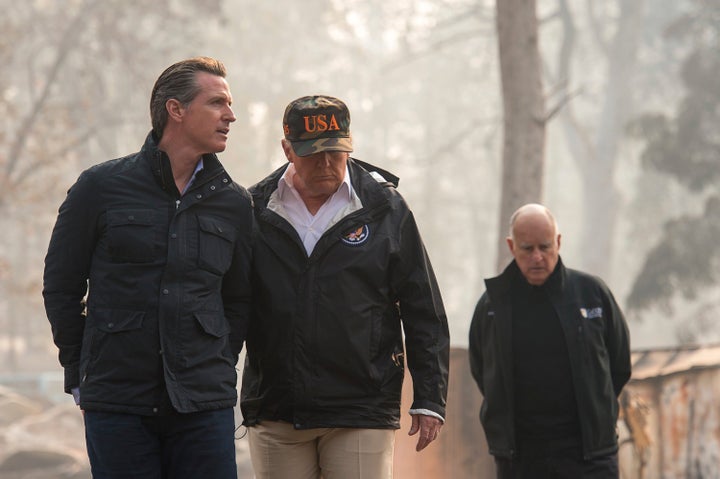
[(550, 352)]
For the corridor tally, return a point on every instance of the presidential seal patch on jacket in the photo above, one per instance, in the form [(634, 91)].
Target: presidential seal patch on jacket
[(357, 236)]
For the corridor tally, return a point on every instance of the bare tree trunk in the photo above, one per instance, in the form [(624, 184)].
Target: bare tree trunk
[(600, 196), (523, 154)]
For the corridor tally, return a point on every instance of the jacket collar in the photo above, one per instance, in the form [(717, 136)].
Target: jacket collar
[(162, 169), (502, 283), (363, 177)]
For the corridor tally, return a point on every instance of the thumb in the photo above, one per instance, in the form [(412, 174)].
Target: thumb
[(415, 427)]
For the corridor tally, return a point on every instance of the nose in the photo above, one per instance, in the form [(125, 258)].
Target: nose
[(325, 158), (537, 255), (229, 115)]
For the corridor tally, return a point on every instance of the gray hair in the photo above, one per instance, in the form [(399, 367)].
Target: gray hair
[(534, 207)]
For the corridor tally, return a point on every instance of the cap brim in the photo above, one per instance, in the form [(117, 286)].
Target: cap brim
[(309, 147)]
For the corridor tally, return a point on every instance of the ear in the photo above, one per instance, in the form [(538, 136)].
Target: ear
[(511, 245), (287, 149), (558, 241), (175, 109)]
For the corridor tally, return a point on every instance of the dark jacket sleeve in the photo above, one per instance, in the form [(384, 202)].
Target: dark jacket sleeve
[(475, 353), (424, 321), (65, 279), (236, 288), (617, 339)]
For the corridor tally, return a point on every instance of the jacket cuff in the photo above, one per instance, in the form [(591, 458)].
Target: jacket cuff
[(72, 378), (418, 405), (427, 412)]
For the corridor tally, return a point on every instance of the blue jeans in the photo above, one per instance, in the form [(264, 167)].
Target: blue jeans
[(178, 446)]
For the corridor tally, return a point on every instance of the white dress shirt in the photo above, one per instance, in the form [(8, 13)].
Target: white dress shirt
[(286, 202)]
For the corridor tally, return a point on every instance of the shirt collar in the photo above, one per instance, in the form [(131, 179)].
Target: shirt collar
[(285, 183), (200, 165)]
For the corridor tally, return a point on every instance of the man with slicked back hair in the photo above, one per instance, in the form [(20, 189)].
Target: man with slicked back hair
[(147, 289)]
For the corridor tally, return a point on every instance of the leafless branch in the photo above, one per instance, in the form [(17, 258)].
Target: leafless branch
[(24, 131), (562, 102)]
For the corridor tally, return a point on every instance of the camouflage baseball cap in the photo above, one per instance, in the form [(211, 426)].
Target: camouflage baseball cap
[(317, 123)]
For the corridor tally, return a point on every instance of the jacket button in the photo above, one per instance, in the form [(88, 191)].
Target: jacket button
[(155, 410), (212, 187), (110, 325), (198, 196), (131, 218), (225, 180), (165, 291)]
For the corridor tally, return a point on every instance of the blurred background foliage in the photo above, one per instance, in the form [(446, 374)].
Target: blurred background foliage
[(631, 163)]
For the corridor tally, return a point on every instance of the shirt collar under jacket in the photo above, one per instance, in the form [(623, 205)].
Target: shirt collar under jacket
[(286, 183), (286, 202), (200, 165)]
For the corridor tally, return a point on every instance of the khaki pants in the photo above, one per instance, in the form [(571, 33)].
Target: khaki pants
[(278, 451)]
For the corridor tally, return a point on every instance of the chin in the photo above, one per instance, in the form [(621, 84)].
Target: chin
[(537, 280)]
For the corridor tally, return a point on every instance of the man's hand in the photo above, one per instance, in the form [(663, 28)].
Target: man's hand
[(429, 428)]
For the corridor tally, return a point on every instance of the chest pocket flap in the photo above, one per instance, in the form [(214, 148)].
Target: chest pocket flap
[(130, 217), (217, 240), (133, 235)]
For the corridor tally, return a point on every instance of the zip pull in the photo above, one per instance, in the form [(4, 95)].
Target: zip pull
[(177, 204)]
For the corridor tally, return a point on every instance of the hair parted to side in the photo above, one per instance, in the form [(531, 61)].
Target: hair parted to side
[(178, 82)]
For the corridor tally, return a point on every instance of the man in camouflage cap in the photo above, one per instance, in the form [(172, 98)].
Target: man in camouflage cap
[(337, 258), (317, 123)]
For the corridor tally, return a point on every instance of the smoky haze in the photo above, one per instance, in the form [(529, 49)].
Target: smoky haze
[(422, 83)]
